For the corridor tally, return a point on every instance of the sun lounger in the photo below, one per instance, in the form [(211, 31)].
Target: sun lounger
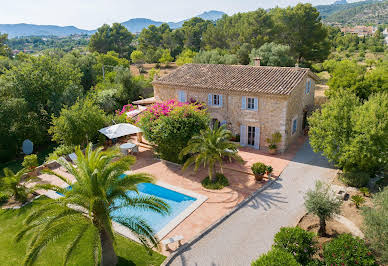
[(172, 240), (73, 157)]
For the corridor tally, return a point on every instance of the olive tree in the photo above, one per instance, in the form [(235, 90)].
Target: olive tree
[(322, 202)]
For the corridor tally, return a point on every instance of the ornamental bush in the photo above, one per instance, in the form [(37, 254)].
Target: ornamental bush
[(170, 125), (276, 257), (30, 161), (347, 250), (296, 241), (259, 168)]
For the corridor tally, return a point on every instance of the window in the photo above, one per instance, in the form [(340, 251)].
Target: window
[(182, 96), (294, 126), (251, 103), (251, 136), (216, 100), (308, 86)]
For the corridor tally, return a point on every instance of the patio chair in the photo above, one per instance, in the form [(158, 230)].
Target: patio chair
[(171, 240)]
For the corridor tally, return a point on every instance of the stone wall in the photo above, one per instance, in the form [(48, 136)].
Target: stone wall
[(298, 103), (270, 117)]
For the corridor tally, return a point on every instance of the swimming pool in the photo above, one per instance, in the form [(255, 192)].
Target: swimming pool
[(178, 202)]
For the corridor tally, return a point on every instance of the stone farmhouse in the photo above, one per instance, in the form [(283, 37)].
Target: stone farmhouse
[(254, 101)]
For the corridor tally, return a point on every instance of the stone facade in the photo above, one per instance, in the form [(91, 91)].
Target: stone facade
[(275, 113)]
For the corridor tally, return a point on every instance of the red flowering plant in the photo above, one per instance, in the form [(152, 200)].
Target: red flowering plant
[(170, 125)]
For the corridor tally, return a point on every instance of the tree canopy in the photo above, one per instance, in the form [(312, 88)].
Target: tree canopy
[(112, 38)]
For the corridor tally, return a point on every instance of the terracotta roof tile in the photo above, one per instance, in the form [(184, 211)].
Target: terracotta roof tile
[(263, 79)]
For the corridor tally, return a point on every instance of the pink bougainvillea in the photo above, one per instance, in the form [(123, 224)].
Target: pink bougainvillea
[(126, 108)]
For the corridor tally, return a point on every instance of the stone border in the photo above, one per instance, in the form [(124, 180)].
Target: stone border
[(210, 228)]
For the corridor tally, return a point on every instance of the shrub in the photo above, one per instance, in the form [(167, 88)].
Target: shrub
[(30, 161), (358, 200), (323, 203), (376, 225), (347, 250), (296, 241), (220, 182), (59, 151), (276, 257), (170, 125), (355, 178), (259, 168), (269, 170), (365, 191), (79, 124)]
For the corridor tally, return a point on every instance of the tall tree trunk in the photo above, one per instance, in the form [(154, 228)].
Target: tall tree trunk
[(108, 255), (322, 227)]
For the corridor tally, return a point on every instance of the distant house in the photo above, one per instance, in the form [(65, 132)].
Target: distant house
[(361, 31), (254, 101)]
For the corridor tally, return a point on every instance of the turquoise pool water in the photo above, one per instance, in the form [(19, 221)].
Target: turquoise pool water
[(178, 202)]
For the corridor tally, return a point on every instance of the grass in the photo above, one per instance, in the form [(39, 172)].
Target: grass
[(12, 253), (16, 165), (220, 183)]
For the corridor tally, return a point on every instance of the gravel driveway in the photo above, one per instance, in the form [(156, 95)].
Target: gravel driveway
[(249, 232)]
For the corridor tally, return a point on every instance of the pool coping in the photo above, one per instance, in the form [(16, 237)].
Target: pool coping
[(200, 199)]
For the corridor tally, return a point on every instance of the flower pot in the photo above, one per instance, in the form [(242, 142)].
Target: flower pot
[(272, 151), (259, 177)]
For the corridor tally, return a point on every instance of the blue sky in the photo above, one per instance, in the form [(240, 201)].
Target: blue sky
[(90, 14)]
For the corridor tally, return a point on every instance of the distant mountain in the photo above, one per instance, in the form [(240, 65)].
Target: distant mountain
[(340, 2), (133, 25), (136, 25), (15, 30), (363, 12)]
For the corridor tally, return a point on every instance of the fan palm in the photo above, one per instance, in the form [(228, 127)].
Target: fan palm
[(87, 207), (210, 147), (12, 184)]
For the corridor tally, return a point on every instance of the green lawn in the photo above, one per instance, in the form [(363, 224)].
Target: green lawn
[(11, 253)]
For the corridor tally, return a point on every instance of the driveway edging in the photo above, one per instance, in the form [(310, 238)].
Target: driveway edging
[(185, 246)]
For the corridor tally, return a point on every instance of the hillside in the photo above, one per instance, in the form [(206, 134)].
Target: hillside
[(364, 12), (133, 25), (16, 30), (138, 24)]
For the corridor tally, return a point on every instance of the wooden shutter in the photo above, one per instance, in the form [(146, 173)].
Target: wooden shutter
[(243, 135), (220, 101), (257, 138), (209, 99), (243, 103), (256, 101)]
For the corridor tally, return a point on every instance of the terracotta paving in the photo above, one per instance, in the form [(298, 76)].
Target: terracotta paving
[(219, 202)]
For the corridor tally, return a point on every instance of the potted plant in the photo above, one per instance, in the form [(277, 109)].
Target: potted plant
[(259, 170), (273, 142), (269, 171)]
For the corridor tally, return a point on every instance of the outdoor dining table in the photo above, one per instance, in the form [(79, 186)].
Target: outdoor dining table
[(128, 146)]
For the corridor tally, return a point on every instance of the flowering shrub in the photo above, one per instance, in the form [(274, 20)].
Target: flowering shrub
[(347, 250), (276, 257), (170, 125), (296, 241), (126, 108)]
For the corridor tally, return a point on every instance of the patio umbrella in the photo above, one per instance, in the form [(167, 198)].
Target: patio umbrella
[(120, 130)]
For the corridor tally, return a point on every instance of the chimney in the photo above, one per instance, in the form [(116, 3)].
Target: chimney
[(257, 61)]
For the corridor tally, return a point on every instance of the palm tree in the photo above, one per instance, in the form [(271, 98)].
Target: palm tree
[(86, 208), (11, 184), (209, 148)]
